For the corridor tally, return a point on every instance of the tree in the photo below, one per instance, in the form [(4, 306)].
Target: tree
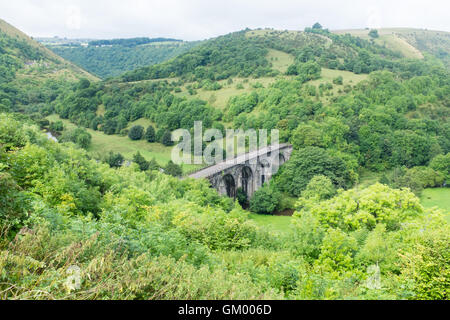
[(265, 200), (84, 84), (150, 134), (140, 160), (115, 160), (173, 169), (136, 133), (317, 26), (308, 162), (166, 138), (374, 33), (320, 187)]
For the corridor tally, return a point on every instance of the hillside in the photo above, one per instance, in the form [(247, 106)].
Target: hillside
[(31, 74), (50, 64), (321, 90), (412, 43), (110, 58)]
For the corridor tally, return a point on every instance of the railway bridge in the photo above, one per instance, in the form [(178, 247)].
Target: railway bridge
[(248, 171)]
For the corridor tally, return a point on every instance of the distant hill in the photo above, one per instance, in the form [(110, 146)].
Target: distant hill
[(244, 54), (110, 58), (16, 43), (412, 43)]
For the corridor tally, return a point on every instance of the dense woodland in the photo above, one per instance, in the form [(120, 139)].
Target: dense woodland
[(138, 233)]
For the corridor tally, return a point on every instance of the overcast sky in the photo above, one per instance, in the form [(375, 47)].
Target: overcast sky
[(201, 19)]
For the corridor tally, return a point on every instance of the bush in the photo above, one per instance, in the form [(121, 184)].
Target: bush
[(338, 80), (373, 34), (173, 169), (115, 160), (13, 204), (136, 133), (265, 200)]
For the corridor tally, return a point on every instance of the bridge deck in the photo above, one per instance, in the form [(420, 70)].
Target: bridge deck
[(226, 164)]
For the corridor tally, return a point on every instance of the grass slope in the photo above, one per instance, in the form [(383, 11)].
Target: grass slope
[(278, 224), (412, 43), (53, 65), (103, 144), (437, 197)]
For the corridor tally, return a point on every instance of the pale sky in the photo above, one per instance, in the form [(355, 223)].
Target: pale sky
[(201, 19)]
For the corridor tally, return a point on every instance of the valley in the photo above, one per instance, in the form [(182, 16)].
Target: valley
[(359, 210)]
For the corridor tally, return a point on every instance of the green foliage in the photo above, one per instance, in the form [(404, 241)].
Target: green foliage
[(337, 252), (265, 200), (307, 163), (441, 163), (427, 266), (13, 205), (57, 126), (351, 210), (320, 188), (148, 235), (106, 60), (338, 80), (242, 198), (416, 179), (138, 235), (78, 136), (216, 59)]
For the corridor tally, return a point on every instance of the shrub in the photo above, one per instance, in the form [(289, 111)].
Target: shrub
[(115, 160), (265, 200), (136, 133), (140, 160), (173, 169), (338, 80)]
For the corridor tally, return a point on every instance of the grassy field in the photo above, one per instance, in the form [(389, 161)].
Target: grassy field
[(437, 197), (349, 77), (280, 60), (391, 38), (280, 224), (219, 98), (103, 144)]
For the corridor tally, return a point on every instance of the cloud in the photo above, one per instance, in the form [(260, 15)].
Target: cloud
[(200, 19), (73, 17)]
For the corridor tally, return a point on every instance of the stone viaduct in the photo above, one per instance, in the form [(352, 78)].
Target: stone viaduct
[(248, 171)]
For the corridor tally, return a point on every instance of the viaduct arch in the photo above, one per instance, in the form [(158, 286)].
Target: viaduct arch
[(248, 171)]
